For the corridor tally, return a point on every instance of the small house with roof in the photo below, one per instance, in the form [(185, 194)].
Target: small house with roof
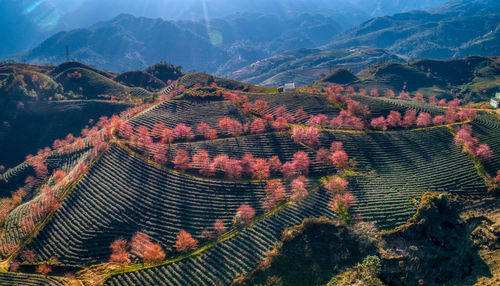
[(286, 87), (495, 101)]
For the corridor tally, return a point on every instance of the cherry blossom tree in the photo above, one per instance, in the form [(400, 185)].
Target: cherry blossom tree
[(451, 116), (185, 242), (230, 126), (40, 167), (433, 100), (323, 156), (233, 169), (410, 118), (394, 119), (466, 114), (181, 131), (28, 256), (167, 136), (302, 162), (126, 131), (298, 188), (379, 123), (138, 243), (119, 253), (289, 170), (157, 131), (347, 121), (317, 120), (201, 161), (244, 214), (308, 136), (342, 202), (219, 227), (355, 108), (483, 153), (246, 108), (418, 96), (44, 269), (336, 185), (340, 159), (246, 163), (260, 169), (153, 253), (159, 152), (280, 124), (374, 93), (424, 119), (58, 176), (300, 115), (389, 93), (258, 126), (275, 193), (465, 139), (455, 103), (336, 146), (143, 139), (202, 128), (404, 95), (181, 160), (260, 106), (497, 178), (274, 164), (438, 120)]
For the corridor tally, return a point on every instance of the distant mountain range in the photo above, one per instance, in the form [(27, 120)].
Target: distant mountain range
[(269, 48), (306, 65), (26, 23), (127, 42), (458, 28)]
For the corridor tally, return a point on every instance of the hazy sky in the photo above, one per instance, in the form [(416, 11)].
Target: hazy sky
[(24, 23), (81, 13)]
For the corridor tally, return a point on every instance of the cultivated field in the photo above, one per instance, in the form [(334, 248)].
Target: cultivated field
[(127, 188)]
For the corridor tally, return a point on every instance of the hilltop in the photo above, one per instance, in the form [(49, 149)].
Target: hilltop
[(127, 42), (200, 184), (303, 66), (472, 78), (44, 103)]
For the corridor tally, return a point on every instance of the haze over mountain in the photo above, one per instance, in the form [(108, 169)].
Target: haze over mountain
[(303, 66), (25, 23), (127, 42), (458, 28)]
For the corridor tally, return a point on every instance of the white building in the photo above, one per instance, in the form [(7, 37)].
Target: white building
[(290, 86), (495, 101)]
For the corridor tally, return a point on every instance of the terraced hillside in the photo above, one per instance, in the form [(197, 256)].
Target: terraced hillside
[(66, 161), (487, 129), (123, 194), (381, 106), (189, 112), (30, 280), (311, 104), (240, 254), (395, 168), (128, 188), (261, 145)]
